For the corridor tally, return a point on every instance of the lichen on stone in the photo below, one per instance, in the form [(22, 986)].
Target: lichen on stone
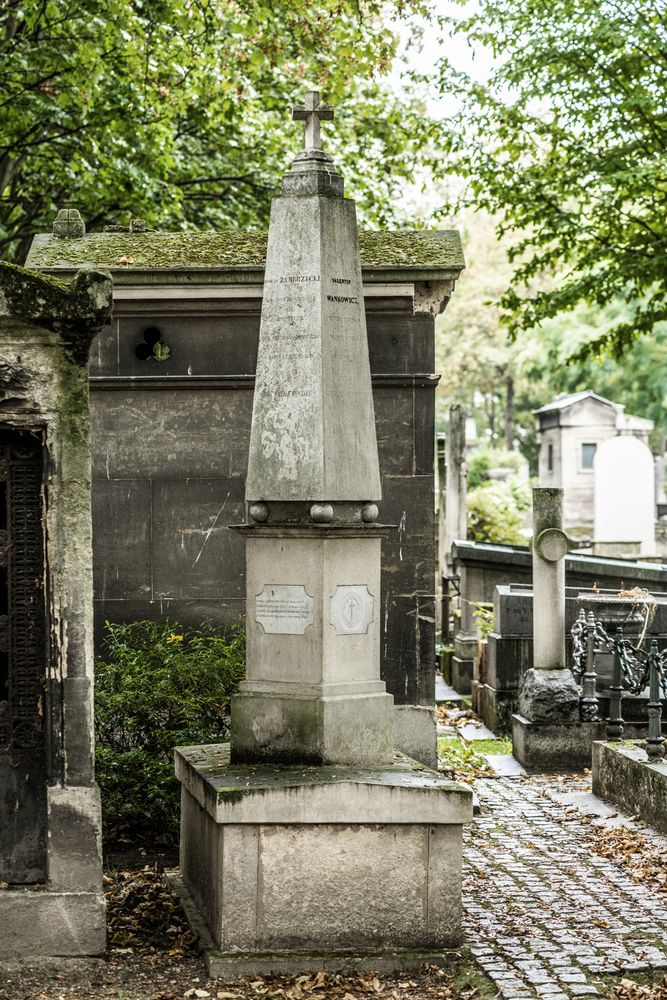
[(236, 248), (76, 310)]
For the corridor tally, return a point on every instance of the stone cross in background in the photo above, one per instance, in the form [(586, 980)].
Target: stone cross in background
[(549, 692), (549, 697), (312, 113)]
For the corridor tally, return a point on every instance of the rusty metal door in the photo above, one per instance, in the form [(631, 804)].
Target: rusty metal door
[(22, 659)]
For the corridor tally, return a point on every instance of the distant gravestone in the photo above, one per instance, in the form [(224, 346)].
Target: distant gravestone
[(624, 493)]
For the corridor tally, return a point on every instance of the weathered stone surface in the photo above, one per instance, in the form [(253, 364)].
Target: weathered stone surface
[(415, 733), (624, 775), (456, 479), (77, 310), (68, 224), (313, 427), (554, 746), (51, 923), (310, 688), (549, 696), (549, 550), (75, 839), (427, 252), (43, 366), (299, 850), (297, 857)]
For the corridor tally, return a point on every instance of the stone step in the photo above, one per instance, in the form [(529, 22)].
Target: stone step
[(443, 692), (471, 732), (504, 765)]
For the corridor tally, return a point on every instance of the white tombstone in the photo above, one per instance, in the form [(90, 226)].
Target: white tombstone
[(624, 493)]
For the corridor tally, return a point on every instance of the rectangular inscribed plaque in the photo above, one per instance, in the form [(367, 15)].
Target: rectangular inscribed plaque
[(284, 609)]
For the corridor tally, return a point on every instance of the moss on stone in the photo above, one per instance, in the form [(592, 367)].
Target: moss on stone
[(235, 248), (76, 310)]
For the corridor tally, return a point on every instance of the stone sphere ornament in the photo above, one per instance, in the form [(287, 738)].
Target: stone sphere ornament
[(369, 513), (552, 544), (321, 513), (259, 512)]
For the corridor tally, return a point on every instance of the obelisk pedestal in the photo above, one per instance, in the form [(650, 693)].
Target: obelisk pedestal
[(309, 843)]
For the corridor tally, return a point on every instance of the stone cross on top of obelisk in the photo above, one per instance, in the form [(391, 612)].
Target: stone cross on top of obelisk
[(312, 113)]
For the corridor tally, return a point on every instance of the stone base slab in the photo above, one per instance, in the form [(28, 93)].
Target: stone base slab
[(416, 733), (545, 746), (348, 728), (285, 862), (623, 774), (496, 708), (238, 965), (560, 746), (51, 924), (233, 965), (462, 671)]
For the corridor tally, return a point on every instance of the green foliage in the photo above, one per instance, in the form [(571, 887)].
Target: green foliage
[(483, 617), (159, 687), (501, 745), (495, 512), (461, 761), (483, 459), (567, 146), (180, 113)]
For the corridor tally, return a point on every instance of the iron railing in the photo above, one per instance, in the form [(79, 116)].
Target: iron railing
[(633, 670)]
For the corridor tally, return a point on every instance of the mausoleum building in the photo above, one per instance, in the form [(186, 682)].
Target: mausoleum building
[(172, 380), (570, 430)]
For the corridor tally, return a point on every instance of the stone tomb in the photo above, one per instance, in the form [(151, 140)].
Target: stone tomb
[(50, 828), (309, 842)]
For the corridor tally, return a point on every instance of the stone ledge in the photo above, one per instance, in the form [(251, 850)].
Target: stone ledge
[(51, 924), (565, 746), (237, 965), (623, 774), (402, 792), (547, 746)]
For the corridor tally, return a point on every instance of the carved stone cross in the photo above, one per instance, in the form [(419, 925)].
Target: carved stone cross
[(312, 113)]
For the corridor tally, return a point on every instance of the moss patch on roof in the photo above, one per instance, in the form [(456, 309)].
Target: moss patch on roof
[(233, 249)]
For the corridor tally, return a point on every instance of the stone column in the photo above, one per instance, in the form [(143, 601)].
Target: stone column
[(660, 479), (50, 816), (549, 692), (455, 509)]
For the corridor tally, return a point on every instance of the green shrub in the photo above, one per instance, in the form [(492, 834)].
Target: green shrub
[(495, 515), (485, 458), (159, 686)]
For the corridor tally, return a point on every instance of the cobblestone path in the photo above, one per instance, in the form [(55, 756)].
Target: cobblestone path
[(544, 915)]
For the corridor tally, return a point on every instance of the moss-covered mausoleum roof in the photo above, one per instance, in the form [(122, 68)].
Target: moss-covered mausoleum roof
[(412, 254)]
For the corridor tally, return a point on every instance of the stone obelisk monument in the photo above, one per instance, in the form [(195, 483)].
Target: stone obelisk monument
[(309, 843), (313, 690)]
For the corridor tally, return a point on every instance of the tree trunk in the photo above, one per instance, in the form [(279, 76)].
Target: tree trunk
[(509, 413)]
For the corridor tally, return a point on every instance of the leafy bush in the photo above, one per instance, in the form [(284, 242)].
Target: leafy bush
[(160, 686), (485, 458), (495, 512)]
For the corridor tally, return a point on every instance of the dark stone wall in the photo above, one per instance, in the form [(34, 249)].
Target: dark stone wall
[(170, 446)]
